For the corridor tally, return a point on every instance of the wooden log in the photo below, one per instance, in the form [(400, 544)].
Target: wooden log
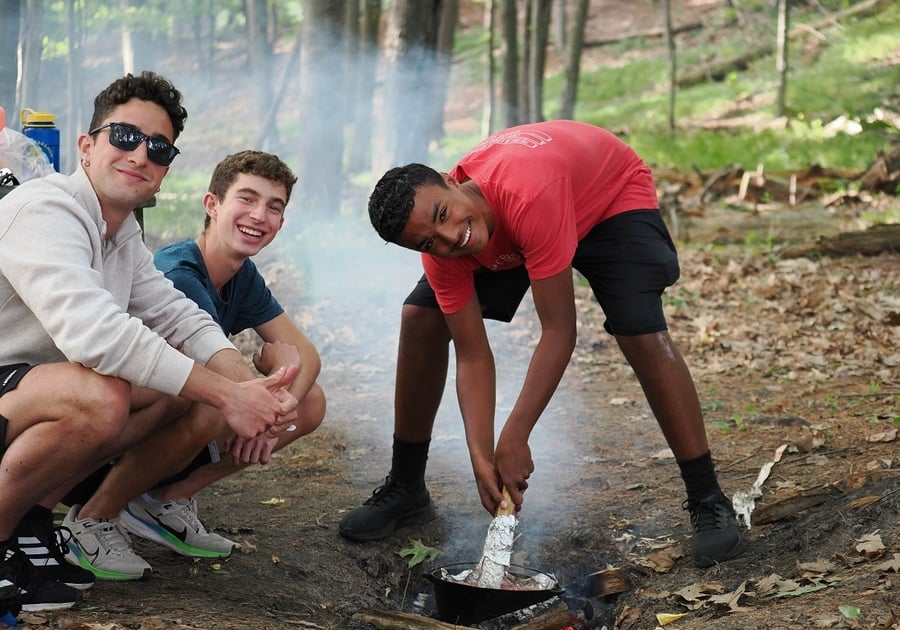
[(395, 620), (871, 242)]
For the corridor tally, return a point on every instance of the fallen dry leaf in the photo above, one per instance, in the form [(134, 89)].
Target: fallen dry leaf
[(665, 619), (870, 545)]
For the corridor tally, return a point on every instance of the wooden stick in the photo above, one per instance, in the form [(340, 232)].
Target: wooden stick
[(393, 620)]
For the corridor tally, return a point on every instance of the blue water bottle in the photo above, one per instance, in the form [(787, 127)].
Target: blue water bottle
[(41, 128)]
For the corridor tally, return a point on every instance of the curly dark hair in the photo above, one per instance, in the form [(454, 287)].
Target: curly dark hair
[(149, 86), (252, 163), (393, 197)]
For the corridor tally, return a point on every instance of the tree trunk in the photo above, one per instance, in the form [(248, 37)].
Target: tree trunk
[(559, 23), (360, 150), (410, 58), (449, 17), (573, 61), (259, 51), (781, 56), (320, 138), (69, 129), (490, 67), (31, 42), (670, 49), (540, 33), (10, 19), (509, 93)]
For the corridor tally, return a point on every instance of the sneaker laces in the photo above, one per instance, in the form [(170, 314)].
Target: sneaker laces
[(709, 513), (186, 510), (59, 542), (112, 537), (383, 492)]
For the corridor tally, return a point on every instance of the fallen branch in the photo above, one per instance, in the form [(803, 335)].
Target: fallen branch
[(393, 620)]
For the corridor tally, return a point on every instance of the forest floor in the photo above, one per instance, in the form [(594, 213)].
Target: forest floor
[(797, 363), (795, 353)]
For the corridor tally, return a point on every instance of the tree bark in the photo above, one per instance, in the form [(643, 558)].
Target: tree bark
[(360, 150), (31, 42), (781, 56), (573, 61), (670, 57), (509, 91), (10, 19), (540, 34), (490, 67), (321, 142), (259, 51), (410, 56)]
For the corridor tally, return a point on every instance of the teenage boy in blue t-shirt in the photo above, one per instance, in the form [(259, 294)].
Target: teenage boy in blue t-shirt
[(245, 207)]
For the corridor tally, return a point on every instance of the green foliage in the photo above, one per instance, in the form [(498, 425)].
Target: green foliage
[(418, 553), (847, 73)]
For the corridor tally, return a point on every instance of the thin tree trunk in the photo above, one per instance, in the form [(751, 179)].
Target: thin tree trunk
[(670, 48), (69, 129), (490, 66), (360, 150), (781, 56), (509, 96), (540, 32), (573, 61), (320, 141), (10, 20), (32, 40), (559, 23), (445, 41), (260, 57)]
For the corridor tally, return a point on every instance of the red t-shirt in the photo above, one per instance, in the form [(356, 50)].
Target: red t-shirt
[(548, 185)]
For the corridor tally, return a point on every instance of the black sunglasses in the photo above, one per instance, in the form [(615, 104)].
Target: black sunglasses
[(127, 138)]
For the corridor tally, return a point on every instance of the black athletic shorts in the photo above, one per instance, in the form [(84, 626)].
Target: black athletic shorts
[(628, 261), (10, 376)]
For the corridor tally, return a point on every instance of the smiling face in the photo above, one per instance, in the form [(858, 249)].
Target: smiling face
[(122, 179), (447, 222), (249, 216)]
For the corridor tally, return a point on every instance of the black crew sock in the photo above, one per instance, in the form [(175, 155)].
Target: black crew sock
[(37, 517), (408, 463), (699, 476)]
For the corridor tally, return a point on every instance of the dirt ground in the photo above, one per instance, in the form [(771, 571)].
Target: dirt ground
[(796, 352)]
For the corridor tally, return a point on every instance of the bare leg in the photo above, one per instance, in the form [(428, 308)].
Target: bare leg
[(422, 359), (311, 412), (64, 421), (669, 389), (166, 452)]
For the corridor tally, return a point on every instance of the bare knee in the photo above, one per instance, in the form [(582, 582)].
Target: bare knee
[(101, 407), (423, 325), (311, 411)]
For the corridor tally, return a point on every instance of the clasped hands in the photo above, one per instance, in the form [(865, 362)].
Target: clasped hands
[(258, 449)]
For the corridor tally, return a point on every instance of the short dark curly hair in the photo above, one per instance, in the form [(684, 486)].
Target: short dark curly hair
[(250, 162), (149, 86), (393, 197)]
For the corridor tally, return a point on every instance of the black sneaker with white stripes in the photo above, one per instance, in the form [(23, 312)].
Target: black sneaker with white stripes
[(34, 591), (46, 547)]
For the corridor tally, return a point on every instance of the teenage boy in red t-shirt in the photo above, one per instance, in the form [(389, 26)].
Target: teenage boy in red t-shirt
[(524, 208)]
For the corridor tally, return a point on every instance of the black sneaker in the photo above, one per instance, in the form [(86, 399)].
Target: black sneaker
[(392, 505), (10, 606), (46, 547), (35, 592), (716, 534)]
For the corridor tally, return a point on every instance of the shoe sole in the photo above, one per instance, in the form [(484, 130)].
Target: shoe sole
[(76, 557), (46, 606), (419, 517), (145, 530)]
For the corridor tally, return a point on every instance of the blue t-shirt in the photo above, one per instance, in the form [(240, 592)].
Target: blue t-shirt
[(245, 301)]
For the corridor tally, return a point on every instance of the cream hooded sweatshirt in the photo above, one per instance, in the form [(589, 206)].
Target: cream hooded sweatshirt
[(68, 293)]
